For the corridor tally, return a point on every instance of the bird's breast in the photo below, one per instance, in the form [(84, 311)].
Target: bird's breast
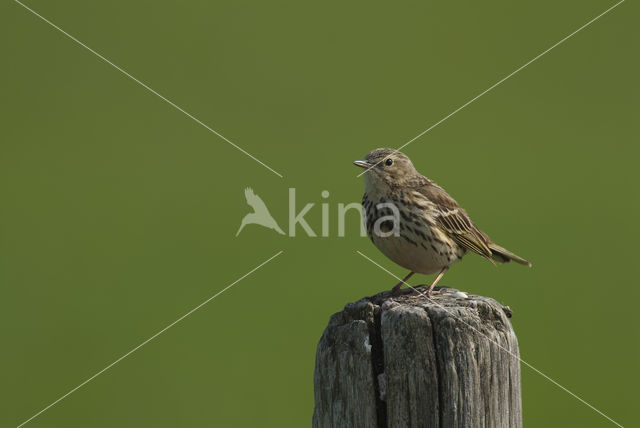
[(407, 234)]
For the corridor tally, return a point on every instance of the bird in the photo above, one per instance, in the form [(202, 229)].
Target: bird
[(415, 223), (260, 214)]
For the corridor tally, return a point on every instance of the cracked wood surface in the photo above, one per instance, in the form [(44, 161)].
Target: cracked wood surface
[(447, 362)]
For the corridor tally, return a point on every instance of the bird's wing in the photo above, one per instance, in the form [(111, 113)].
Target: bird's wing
[(454, 221), (254, 201)]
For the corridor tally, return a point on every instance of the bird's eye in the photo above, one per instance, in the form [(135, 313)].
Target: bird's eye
[(388, 162)]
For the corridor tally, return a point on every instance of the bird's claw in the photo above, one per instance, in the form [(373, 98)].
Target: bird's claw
[(426, 294)]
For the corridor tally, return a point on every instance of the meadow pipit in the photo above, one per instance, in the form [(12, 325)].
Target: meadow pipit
[(415, 223)]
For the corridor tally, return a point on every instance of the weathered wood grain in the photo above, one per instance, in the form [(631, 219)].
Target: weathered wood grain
[(451, 361)]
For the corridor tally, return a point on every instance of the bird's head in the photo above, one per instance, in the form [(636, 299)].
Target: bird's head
[(387, 166)]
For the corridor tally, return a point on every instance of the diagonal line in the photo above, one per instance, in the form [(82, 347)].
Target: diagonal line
[(496, 343), (171, 103), (150, 339), (501, 80)]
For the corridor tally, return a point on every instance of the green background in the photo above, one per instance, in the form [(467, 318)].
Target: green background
[(118, 213)]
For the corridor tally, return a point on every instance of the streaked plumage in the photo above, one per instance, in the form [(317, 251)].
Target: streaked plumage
[(434, 231)]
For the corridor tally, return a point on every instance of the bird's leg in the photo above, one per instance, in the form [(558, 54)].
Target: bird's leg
[(435, 281), (396, 289)]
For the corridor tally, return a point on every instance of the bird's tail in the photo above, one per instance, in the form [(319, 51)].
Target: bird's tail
[(503, 255), (277, 228), (242, 225)]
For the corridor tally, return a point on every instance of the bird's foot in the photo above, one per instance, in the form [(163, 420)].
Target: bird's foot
[(427, 294), (396, 292), (390, 295)]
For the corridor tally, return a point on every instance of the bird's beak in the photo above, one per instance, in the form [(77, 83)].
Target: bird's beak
[(362, 164)]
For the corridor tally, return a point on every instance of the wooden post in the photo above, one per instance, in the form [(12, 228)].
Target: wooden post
[(451, 361)]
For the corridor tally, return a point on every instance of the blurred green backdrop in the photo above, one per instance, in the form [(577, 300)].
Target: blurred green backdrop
[(118, 213)]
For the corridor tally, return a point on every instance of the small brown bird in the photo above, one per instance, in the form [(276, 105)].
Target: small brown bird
[(415, 223)]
